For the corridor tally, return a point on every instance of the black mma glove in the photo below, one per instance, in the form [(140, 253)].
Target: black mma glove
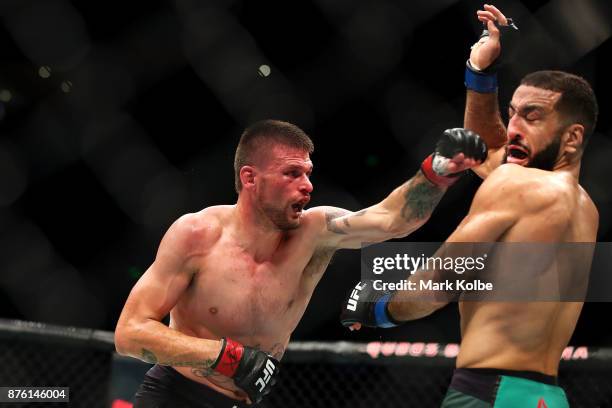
[(452, 142), (252, 370), (367, 306)]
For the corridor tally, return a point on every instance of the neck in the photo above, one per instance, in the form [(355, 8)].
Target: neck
[(571, 165), (255, 233)]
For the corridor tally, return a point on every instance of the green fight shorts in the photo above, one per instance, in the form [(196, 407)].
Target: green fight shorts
[(493, 388)]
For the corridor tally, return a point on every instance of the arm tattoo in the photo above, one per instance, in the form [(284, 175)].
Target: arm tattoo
[(420, 198), (200, 367), (202, 372), (148, 357), (208, 372), (334, 225)]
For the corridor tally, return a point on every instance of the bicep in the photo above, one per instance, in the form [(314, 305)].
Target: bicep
[(159, 288), (157, 291)]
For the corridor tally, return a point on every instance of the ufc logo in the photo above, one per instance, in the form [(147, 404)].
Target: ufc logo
[(268, 372), (352, 302)]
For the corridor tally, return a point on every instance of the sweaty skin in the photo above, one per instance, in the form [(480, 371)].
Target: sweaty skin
[(522, 204), (231, 271), (540, 206), (516, 203)]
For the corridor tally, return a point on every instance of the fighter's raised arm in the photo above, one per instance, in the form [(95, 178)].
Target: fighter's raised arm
[(482, 113), (408, 206)]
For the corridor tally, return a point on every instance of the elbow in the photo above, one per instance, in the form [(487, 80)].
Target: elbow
[(124, 338), (394, 230), (121, 341)]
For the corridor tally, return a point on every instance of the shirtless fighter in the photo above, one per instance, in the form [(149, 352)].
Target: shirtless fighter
[(236, 279), (510, 351)]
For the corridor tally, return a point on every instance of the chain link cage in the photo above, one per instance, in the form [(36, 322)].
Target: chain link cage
[(37, 355), (313, 374), (402, 374)]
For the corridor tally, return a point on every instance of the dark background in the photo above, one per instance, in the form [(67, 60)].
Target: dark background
[(118, 117)]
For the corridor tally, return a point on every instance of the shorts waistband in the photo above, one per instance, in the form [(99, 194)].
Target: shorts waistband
[(528, 375), (482, 383)]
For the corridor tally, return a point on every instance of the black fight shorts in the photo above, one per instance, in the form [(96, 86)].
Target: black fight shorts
[(164, 387)]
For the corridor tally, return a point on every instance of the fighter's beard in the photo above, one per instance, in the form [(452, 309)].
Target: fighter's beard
[(545, 159), (278, 217)]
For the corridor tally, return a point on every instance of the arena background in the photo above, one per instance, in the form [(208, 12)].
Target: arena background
[(118, 117)]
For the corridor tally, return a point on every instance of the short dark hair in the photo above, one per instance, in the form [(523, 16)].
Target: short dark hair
[(262, 135), (577, 103)]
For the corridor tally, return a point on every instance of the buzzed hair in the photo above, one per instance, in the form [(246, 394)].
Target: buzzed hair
[(577, 103), (263, 135)]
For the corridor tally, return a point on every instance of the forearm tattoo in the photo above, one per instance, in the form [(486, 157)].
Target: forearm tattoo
[(204, 372), (338, 226), (420, 198), (201, 367), (148, 357), (204, 368)]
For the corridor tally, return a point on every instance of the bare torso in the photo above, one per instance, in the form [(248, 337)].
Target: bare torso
[(258, 303), (530, 335)]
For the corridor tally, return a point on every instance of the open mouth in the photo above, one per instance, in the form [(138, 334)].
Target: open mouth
[(298, 207), (517, 154)]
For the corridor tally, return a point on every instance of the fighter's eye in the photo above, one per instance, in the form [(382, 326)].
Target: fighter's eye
[(531, 114)]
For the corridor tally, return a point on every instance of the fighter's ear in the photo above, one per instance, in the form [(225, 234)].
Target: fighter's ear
[(574, 136), (247, 176)]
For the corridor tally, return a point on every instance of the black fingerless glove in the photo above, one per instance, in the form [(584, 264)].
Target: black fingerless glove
[(252, 370)]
